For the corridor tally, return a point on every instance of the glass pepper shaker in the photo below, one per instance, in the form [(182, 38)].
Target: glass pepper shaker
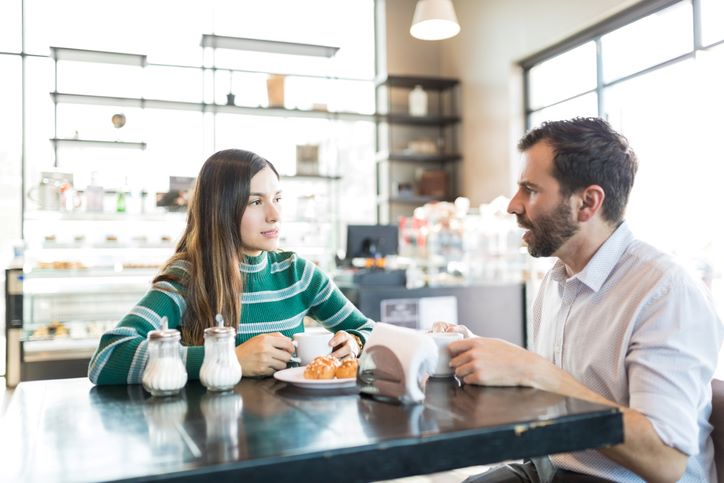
[(165, 373), (220, 370)]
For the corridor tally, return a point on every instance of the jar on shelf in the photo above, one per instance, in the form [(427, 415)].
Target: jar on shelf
[(220, 370), (418, 101), (165, 373)]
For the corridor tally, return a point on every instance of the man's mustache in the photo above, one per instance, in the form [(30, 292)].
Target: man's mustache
[(524, 223)]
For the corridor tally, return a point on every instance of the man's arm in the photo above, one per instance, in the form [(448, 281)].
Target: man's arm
[(493, 362)]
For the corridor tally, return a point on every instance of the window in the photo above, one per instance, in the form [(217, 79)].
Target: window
[(563, 76), (10, 26), (654, 39), (712, 25), (178, 136), (666, 94)]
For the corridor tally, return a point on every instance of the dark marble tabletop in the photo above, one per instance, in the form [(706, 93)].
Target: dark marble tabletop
[(266, 430)]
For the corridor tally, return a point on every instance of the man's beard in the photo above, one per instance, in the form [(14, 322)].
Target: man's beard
[(549, 232)]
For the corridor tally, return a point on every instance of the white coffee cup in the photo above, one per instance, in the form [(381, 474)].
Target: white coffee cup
[(442, 340), (312, 344)]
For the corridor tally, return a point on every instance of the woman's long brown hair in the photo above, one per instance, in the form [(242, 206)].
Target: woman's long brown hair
[(211, 243)]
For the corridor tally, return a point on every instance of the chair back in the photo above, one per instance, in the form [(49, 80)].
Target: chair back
[(717, 421)]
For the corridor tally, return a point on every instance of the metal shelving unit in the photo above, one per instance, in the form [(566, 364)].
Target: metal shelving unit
[(398, 164)]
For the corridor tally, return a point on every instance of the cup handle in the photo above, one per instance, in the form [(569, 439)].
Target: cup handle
[(295, 356)]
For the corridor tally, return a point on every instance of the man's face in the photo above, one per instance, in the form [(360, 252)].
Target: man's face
[(539, 206)]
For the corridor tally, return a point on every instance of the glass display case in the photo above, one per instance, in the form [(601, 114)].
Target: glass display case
[(58, 315), (80, 273)]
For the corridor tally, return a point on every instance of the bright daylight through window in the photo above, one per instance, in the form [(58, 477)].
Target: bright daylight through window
[(662, 88)]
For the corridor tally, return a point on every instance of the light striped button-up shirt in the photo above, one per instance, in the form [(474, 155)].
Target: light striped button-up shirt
[(636, 328)]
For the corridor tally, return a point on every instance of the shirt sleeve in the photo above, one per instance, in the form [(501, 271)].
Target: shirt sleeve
[(671, 359), (333, 310), (122, 353)]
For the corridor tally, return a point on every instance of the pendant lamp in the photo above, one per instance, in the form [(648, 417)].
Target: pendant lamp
[(434, 20)]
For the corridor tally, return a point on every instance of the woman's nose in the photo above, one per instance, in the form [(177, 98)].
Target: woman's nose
[(272, 214)]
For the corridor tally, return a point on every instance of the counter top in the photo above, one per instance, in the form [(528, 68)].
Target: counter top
[(266, 430)]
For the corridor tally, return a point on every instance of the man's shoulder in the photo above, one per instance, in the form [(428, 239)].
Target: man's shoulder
[(647, 262)]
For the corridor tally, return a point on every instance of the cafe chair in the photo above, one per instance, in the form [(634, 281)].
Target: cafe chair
[(717, 421)]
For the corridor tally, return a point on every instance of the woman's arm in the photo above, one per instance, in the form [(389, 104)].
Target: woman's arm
[(122, 353), (336, 313)]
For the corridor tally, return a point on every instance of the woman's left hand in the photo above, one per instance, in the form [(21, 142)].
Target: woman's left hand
[(344, 345)]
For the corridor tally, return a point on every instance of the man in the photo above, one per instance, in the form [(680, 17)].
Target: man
[(615, 322)]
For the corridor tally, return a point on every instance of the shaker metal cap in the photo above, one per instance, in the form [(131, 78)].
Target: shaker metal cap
[(164, 333), (167, 334), (217, 331)]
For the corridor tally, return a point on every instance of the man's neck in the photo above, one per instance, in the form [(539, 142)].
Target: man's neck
[(578, 251)]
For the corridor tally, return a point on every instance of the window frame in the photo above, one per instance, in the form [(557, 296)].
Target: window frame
[(594, 33)]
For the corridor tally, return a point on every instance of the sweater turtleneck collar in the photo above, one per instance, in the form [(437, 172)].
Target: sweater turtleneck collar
[(253, 264)]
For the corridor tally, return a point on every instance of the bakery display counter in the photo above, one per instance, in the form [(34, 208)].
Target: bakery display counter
[(57, 316)]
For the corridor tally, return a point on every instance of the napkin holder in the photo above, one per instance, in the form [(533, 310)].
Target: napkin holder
[(396, 363)]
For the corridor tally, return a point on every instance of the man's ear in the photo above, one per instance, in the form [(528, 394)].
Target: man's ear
[(590, 202)]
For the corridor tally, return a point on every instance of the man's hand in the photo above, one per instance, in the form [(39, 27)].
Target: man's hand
[(344, 345), (264, 354), (492, 362)]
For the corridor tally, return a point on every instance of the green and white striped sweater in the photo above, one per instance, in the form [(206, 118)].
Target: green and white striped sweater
[(280, 288)]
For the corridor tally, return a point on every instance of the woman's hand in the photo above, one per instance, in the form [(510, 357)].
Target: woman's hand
[(264, 354), (447, 327), (344, 345)]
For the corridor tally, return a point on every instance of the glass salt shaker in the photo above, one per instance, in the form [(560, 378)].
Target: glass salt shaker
[(165, 373), (220, 370)]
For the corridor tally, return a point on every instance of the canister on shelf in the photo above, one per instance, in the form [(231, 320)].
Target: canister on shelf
[(165, 373), (220, 370)]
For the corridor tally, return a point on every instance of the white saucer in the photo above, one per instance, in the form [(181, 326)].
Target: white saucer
[(295, 376)]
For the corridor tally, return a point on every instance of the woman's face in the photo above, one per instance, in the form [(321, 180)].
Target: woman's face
[(260, 222)]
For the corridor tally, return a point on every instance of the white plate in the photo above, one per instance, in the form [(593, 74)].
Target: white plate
[(295, 375)]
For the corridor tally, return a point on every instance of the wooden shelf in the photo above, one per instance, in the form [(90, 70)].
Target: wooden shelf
[(429, 83), (100, 143), (406, 119), (408, 200), (418, 158), (311, 177)]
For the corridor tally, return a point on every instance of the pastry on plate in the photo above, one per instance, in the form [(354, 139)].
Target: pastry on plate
[(322, 367), (347, 369)]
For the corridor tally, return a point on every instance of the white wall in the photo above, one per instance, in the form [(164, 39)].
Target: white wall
[(495, 35)]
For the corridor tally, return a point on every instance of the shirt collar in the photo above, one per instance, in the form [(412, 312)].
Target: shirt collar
[(253, 264), (599, 267)]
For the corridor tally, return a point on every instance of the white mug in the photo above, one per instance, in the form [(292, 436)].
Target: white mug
[(312, 344), (442, 340)]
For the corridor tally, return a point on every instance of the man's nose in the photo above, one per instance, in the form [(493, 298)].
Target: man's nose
[(515, 207)]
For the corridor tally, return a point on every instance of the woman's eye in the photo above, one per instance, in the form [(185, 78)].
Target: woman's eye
[(278, 199), (255, 202)]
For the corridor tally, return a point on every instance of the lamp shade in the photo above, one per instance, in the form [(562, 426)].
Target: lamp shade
[(434, 20)]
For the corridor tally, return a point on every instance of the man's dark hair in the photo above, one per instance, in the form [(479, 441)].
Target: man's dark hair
[(588, 151)]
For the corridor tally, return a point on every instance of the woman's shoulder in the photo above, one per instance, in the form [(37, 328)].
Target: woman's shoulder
[(176, 272), (180, 268)]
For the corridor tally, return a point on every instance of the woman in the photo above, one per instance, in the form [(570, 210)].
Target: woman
[(228, 262)]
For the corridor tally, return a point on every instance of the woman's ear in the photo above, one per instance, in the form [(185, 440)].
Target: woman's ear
[(590, 202)]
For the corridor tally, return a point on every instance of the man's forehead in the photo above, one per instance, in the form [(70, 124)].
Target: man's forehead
[(537, 166)]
